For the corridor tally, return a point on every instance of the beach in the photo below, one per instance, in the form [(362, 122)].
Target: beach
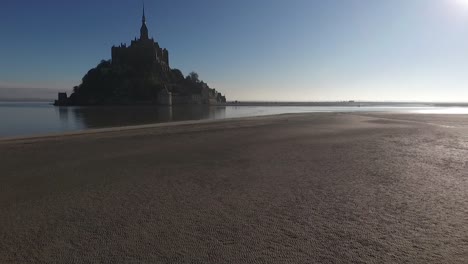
[(295, 188)]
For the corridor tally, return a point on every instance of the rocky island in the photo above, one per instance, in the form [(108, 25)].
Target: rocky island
[(139, 74)]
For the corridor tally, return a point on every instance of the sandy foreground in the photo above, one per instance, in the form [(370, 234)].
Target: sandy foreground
[(305, 188)]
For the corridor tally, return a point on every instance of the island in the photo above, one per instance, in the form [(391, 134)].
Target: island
[(140, 74)]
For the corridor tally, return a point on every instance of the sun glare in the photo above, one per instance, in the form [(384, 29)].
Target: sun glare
[(462, 3)]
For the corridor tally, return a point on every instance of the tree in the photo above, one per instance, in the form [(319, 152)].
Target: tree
[(177, 75), (193, 76)]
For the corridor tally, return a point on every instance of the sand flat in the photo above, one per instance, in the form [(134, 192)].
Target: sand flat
[(328, 188)]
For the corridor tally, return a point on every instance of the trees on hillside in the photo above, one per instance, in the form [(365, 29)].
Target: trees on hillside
[(110, 83)]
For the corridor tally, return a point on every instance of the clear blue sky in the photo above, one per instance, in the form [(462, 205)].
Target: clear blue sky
[(300, 50)]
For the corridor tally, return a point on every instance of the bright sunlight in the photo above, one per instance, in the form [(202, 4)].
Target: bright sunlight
[(462, 3)]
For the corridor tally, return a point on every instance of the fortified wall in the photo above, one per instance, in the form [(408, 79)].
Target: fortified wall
[(141, 52)]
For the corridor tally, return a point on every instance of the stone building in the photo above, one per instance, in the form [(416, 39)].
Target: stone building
[(143, 51), (146, 52), (146, 57)]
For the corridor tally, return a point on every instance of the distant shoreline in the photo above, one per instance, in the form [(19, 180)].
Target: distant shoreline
[(274, 103), (56, 120), (14, 100), (341, 103)]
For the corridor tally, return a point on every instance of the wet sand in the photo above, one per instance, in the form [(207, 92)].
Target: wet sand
[(305, 188)]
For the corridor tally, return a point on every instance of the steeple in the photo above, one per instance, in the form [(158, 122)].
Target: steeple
[(144, 18), (144, 29)]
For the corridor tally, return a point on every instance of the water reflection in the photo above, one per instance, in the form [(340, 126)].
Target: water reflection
[(26, 118), (95, 117), (63, 114)]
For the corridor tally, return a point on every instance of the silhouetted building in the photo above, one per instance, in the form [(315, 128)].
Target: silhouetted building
[(142, 51), (140, 74), (62, 99)]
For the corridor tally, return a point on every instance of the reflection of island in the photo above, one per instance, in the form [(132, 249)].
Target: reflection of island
[(63, 114), (96, 117), (140, 74)]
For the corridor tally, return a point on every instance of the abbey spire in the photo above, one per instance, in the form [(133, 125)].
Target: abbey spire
[(144, 29), (142, 51), (144, 17)]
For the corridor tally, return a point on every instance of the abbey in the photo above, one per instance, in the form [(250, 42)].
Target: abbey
[(140, 73), (143, 51)]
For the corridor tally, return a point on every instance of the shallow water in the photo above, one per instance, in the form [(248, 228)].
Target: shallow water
[(36, 118)]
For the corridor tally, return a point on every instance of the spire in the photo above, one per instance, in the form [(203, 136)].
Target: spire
[(144, 17), (144, 29)]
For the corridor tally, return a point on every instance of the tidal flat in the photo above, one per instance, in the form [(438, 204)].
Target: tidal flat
[(294, 188)]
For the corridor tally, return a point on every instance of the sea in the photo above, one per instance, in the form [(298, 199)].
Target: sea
[(21, 119)]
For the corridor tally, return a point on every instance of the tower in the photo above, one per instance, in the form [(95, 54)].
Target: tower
[(144, 29)]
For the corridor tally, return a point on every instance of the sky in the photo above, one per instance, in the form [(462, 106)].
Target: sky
[(268, 50)]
